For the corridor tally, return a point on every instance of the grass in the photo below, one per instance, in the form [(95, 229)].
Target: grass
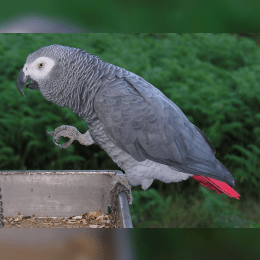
[(205, 210)]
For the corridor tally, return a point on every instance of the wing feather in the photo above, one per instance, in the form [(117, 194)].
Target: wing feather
[(143, 122)]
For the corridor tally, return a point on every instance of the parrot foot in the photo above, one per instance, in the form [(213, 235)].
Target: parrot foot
[(120, 178), (72, 133)]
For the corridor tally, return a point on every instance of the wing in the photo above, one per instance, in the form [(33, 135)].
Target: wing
[(144, 123)]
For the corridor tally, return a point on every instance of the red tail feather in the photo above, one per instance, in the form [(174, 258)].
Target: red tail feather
[(218, 186)]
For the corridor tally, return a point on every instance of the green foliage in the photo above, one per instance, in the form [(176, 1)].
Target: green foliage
[(247, 159), (219, 211), (213, 78), (148, 207)]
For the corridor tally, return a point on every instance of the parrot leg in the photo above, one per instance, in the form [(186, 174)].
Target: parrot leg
[(72, 133), (120, 179)]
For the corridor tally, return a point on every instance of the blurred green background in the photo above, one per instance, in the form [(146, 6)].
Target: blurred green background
[(144, 15), (213, 78), (204, 244)]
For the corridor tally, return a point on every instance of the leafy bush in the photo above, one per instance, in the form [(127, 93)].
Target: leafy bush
[(213, 78), (148, 207), (221, 213)]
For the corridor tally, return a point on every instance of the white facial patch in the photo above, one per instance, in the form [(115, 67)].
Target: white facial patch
[(39, 69)]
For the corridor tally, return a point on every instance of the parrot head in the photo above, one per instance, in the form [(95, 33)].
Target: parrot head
[(43, 69), (64, 75)]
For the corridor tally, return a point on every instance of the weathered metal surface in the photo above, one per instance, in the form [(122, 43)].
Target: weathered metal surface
[(55, 193), (123, 209), (2, 223)]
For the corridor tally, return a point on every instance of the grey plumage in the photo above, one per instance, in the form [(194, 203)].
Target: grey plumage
[(143, 131)]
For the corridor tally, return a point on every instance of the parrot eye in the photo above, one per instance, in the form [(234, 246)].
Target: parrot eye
[(40, 65)]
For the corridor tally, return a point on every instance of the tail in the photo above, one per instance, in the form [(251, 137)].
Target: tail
[(218, 186)]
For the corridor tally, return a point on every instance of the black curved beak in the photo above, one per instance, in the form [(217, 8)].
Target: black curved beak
[(22, 80)]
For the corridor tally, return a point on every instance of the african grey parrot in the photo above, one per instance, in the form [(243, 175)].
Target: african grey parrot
[(143, 131)]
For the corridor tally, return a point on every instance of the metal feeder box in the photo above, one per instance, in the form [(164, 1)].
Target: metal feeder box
[(61, 194)]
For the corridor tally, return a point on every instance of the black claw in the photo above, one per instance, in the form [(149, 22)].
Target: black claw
[(56, 141)]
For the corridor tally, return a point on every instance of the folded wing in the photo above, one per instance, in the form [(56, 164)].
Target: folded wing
[(143, 122)]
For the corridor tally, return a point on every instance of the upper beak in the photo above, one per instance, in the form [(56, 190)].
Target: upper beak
[(21, 81)]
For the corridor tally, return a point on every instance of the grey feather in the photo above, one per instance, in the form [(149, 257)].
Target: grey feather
[(142, 130)]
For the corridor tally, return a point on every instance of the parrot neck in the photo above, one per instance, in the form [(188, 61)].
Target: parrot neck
[(81, 102), (80, 98)]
